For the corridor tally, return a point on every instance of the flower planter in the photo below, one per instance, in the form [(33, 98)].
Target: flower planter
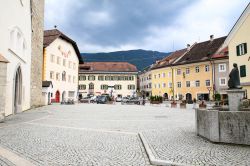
[(173, 105), (155, 102), (183, 105)]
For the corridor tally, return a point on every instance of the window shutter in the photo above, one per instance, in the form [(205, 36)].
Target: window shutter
[(245, 48), (238, 50), (243, 71)]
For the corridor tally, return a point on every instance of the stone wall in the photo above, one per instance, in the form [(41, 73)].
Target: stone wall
[(3, 76), (224, 126), (37, 52)]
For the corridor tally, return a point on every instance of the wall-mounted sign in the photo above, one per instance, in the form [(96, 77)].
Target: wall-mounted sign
[(65, 54)]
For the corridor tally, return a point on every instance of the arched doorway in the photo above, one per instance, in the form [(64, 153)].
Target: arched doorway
[(165, 95), (63, 96), (57, 97), (18, 91), (188, 97)]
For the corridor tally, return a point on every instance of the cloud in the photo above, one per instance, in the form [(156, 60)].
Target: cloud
[(162, 25)]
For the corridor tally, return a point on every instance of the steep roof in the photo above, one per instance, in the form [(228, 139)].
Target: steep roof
[(168, 60), (201, 51), (107, 67), (3, 59), (51, 35)]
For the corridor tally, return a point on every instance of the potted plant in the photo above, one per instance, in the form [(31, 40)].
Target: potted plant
[(217, 98), (156, 99), (183, 104)]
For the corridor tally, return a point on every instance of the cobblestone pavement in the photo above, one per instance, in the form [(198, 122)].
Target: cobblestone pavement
[(90, 134)]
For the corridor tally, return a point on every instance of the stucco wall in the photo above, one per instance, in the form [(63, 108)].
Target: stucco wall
[(145, 81), (16, 15), (37, 52), (224, 126)]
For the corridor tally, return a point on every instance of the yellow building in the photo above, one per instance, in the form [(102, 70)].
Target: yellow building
[(162, 77), (193, 72), (237, 41)]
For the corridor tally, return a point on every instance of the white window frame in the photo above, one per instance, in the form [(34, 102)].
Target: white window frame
[(221, 79), (197, 69), (207, 68), (222, 64), (206, 83)]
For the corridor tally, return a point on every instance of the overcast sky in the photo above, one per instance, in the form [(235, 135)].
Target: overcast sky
[(160, 25)]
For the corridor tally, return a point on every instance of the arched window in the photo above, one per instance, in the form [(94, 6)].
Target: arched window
[(17, 42), (91, 86), (63, 76)]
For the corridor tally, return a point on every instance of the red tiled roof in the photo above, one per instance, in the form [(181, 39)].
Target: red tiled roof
[(52, 35), (169, 59), (108, 67), (201, 51), (3, 59), (221, 54)]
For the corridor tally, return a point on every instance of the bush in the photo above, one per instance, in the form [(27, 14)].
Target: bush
[(217, 97), (156, 98)]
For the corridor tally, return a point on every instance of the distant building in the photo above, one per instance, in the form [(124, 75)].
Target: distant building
[(16, 56), (238, 42), (145, 81), (113, 78), (60, 65)]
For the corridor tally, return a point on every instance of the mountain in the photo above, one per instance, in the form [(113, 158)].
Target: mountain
[(140, 58)]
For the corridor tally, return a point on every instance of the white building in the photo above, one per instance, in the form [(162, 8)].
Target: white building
[(113, 78), (145, 81), (61, 62), (15, 47)]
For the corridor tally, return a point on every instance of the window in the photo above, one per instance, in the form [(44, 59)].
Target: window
[(82, 78), (222, 67), (243, 71), (71, 93), (58, 60), (63, 76), (149, 77), (197, 69), (222, 81), (187, 83), (64, 62), (51, 75), (164, 85), (52, 58), (187, 70), (170, 84), (131, 87), (207, 82), (169, 74), (178, 71), (149, 85), (91, 86), (155, 85), (155, 76), (197, 83), (104, 87), (17, 42), (159, 85), (179, 84), (57, 76), (100, 78), (159, 75), (207, 68), (82, 87), (117, 87), (241, 49), (163, 75), (91, 78), (69, 78)]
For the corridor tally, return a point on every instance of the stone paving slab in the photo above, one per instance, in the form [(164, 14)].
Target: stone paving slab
[(5, 162)]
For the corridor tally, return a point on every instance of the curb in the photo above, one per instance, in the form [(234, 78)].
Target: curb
[(152, 158)]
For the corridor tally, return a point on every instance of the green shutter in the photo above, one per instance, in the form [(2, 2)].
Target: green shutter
[(238, 50), (243, 71), (245, 48)]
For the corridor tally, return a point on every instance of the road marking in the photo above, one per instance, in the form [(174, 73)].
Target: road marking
[(14, 158), (86, 129)]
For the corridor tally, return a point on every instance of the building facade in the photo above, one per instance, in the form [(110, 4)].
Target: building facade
[(162, 75), (113, 78), (60, 65), (15, 47), (145, 82), (238, 42)]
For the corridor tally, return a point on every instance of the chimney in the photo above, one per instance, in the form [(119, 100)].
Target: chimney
[(211, 38), (188, 47)]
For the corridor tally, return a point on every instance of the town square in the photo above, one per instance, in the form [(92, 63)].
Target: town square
[(112, 82)]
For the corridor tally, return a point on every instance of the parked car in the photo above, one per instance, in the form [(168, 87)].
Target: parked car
[(118, 99), (102, 99), (93, 99), (132, 100)]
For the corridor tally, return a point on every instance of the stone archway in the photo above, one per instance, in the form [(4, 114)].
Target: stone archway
[(18, 91)]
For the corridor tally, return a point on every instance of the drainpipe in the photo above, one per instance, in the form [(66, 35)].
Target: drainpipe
[(213, 74)]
